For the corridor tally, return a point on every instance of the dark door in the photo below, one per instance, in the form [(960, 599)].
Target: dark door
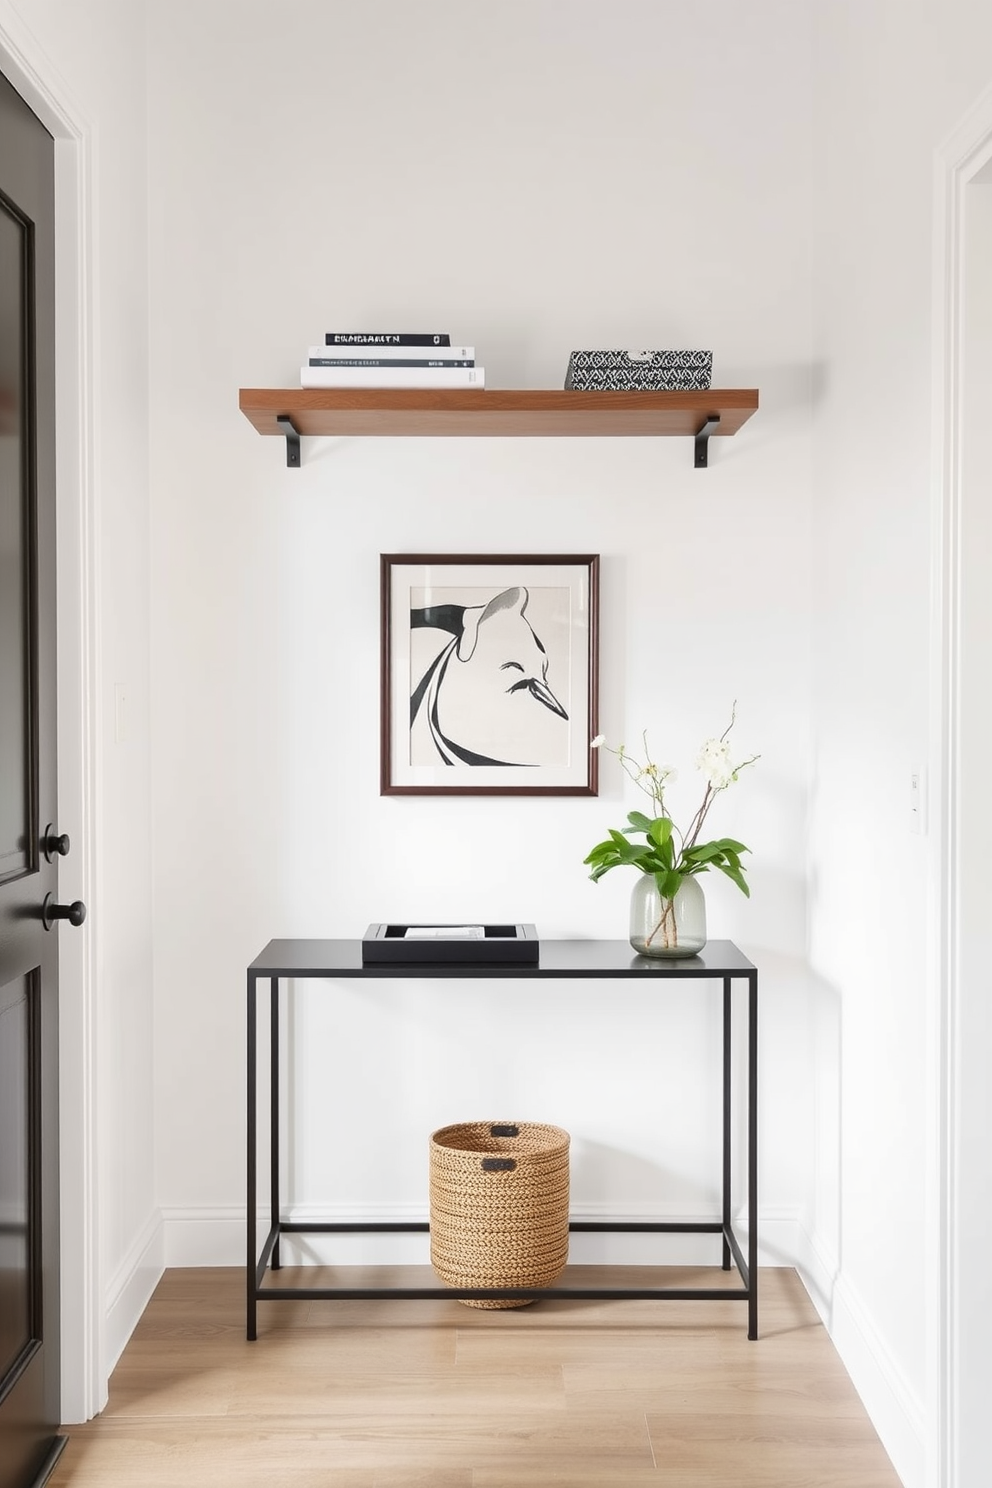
[(29, 1292)]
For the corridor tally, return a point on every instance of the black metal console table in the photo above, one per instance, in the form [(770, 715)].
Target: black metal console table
[(720, 960)]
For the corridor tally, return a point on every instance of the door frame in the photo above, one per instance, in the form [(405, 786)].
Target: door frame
[(84, 1369), (959, 160)]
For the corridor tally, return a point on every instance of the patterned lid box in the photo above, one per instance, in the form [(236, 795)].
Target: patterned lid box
[(639, 371)]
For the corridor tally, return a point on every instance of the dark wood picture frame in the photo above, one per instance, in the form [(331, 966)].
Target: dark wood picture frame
[(489, 674)]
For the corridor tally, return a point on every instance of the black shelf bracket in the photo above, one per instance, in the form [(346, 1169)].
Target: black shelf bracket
[(292, 434), (701, 440), (711, 425)]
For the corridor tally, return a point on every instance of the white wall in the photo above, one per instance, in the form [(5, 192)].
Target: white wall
[(88, 61), (638, 175), (891, 79)]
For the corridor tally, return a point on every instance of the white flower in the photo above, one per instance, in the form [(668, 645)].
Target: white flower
[(714, 761), (599, 739)]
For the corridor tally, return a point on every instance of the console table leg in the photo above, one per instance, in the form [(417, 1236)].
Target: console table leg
[(250, 1204), (274, 1116), (752, 1155), (726, 1120)]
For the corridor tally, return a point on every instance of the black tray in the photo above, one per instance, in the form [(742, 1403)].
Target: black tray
[(499, 944)]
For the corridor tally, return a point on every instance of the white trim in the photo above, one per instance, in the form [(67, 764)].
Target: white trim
[(896, 1412), (85, 1366), (208, 1235), (943, 896), (819, 1268), (23, 62), (957, 163), (131, 1288)]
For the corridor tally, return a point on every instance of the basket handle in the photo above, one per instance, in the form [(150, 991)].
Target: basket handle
[(504, 1131), (498, 1165)]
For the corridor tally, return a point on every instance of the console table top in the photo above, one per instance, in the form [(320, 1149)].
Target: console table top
[(558, 958)]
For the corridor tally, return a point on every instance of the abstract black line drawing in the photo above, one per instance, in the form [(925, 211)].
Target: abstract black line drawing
[(488, 674), (494, 652)]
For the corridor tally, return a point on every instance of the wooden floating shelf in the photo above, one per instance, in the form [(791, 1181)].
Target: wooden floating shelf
[(500, 414)]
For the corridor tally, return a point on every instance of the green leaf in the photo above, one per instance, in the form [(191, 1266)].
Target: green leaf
[(668, 883), (703, 854), (738, 877), (638, 822), (660, 830), (628, 853)]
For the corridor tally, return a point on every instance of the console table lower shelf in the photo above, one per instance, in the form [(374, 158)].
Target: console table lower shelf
[(331, 960)]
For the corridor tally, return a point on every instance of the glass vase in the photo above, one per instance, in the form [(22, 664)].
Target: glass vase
[(667, 927)]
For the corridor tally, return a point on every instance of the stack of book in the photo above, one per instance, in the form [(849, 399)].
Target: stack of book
[(383, 359)]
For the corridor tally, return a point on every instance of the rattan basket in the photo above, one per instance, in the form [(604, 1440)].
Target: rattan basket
[(499, 1206)]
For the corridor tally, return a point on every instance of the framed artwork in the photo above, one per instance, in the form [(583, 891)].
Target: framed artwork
[(489, 674)]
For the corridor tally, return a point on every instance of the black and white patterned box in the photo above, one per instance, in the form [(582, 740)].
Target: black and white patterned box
[(639, 371)]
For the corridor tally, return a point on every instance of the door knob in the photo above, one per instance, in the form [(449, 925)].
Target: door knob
[(75, 913), (52, 843)]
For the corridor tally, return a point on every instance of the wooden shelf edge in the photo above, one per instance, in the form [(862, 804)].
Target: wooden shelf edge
[(495, 412)]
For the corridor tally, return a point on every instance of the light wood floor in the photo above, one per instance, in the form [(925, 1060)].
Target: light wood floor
[(392, 1394)]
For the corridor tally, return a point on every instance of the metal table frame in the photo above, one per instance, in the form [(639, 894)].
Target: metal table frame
[(560, 959)]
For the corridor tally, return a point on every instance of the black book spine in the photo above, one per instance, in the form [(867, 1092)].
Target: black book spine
[(385, 338), (354, 361)]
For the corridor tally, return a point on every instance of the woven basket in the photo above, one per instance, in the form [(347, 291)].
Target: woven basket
[(499, 1206)]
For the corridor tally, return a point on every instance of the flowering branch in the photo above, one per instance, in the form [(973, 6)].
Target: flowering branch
[(667, 853)]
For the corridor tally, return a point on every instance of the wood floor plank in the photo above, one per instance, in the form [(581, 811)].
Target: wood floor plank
[(612, 1348), (757, 1463), (390, 1394), (620, 1476), (213, 1451), (807, 1396), (521, 1392)]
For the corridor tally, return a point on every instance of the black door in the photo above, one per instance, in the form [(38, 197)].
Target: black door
[(29, 1240)]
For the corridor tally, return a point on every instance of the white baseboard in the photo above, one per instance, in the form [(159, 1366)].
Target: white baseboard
[(819, 1269), (216, 1237), (131, 1287), (896, 1412), (213, 1236)]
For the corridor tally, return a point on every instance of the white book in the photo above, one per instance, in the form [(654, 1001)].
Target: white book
[(320, 355), (444, 932), (392, 377)]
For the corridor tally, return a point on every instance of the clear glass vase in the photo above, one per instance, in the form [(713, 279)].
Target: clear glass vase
[(667, 927)]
